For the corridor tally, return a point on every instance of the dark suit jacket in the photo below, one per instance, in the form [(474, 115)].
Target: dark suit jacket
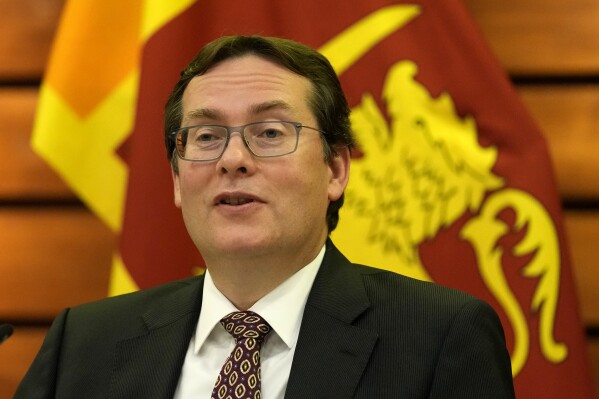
[(365, 333)]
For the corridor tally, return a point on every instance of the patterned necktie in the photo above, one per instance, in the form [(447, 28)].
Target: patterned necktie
[(240, 376)]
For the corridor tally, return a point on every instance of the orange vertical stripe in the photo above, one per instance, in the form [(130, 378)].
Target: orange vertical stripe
[(96, 46)]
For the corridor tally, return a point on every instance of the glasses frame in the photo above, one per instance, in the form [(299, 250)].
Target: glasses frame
[(241, 130)]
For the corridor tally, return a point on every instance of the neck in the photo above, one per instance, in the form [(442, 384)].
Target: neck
[(244, 280)]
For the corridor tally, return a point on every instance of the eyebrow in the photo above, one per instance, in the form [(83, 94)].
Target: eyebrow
[(269, 106), (255, 109), (206, 113)]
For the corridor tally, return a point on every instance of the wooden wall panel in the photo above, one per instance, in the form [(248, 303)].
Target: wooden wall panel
[(582, 228), (549, 37), (51, 258), (569, 117), (16, 355), (24, 174), (78, 249), (26, 31)]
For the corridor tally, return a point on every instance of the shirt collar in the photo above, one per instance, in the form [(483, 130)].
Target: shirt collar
[(282, 308)]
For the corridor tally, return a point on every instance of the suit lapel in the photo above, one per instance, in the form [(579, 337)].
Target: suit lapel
[(149, 365), (331, 353)]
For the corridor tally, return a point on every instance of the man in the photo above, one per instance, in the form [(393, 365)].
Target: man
[(257, 130)]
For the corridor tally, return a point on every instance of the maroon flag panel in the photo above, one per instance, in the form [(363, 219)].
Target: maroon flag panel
[(453, 182)]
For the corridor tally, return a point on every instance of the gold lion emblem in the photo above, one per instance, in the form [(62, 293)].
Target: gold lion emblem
[(423, 169)]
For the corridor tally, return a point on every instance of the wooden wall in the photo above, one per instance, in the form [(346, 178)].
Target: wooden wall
[(550, 49)]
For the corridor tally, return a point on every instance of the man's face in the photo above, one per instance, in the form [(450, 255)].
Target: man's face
[(240, 205)]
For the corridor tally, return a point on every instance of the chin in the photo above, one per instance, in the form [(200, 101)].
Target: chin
[(234, 244)]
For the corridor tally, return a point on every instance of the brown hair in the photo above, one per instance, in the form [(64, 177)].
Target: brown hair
[(327, 100)]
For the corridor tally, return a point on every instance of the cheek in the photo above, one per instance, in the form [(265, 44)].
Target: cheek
[(192, 185), (311, 184)]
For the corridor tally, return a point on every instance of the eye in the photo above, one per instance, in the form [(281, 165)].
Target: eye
[(206, 137), (207, 134), (271, 133)]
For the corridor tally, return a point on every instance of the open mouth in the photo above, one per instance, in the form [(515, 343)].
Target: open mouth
[(235, 201)]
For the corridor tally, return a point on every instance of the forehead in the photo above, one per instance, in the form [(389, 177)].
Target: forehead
[(244, 85)]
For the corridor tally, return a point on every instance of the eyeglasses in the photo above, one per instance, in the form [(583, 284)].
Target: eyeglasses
[(263, 139)]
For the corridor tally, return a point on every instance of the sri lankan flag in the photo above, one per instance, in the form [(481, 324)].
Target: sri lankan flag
[(451, 183)]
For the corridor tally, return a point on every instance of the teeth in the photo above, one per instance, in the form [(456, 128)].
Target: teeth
[(236, 201)]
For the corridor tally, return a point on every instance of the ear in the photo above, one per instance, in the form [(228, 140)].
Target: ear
[(339, 166), (176, 187)]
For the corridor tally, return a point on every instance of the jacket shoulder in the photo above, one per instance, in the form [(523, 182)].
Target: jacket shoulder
[(123, 314), (418, 300)]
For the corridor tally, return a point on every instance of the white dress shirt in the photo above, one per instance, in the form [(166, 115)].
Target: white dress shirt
[(210, 346)]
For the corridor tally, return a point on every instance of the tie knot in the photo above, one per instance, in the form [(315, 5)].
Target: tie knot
[(246, 325)]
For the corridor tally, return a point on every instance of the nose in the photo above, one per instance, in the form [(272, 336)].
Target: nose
[(237, 158)]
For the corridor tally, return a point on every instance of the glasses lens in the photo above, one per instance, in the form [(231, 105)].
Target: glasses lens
[(271, 139), (264, 139), (201, 143)]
